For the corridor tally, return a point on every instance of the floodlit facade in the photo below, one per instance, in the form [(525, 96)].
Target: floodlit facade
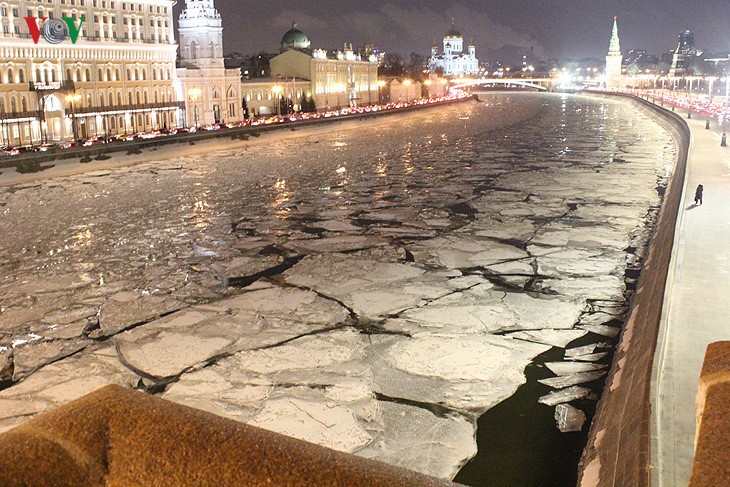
[(614, 59), (453, 62), (211, 92), (338, 78), (261, 95), (81, 68)]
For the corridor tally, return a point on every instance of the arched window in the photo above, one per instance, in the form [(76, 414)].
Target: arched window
[(13, 105), (147, 119), (116, 74), (146, 99), (136, 74), (2, 105), (21, 75), (144, 74), (78, 75), (138, 99), (89, 101), (119, 98), (139, 120), (156, 99), (193, 50), (129, 97), (113, 123), (154, 74), (129, 75), (212, 49), (101, 75), (88, 75), (53, 75), (23, 104), (101, 99), (108, 74), (111, 99)]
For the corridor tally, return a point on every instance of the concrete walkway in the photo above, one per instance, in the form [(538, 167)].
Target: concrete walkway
[(696, 308)]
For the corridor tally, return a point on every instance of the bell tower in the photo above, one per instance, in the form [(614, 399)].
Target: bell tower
[(614, 60), (201, 35)]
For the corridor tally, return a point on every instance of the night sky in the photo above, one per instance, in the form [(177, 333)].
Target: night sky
[(554, 28)]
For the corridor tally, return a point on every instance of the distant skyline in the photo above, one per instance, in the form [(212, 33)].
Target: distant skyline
[(553, 28)]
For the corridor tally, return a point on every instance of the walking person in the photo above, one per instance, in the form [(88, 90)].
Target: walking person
[(698, 194)]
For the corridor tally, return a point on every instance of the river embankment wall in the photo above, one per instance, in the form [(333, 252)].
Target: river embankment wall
[(617, 452)]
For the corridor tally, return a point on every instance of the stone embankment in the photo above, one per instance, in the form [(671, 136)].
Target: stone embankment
[(617, 452)]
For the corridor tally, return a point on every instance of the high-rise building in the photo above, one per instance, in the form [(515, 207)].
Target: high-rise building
[(614, 59), (683, 55), (211, 92), (453, 61), (75, 69)]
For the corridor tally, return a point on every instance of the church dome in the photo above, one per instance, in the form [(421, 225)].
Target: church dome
[(295, 39), (452, 32)]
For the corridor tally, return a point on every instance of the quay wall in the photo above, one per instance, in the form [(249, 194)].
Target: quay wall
[(617, 452)]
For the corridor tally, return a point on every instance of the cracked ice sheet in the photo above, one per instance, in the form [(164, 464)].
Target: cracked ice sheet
[(464, 252), (318, 388), (188, 338), (62, 382), (482, 309), (464, 372), (371, 288)]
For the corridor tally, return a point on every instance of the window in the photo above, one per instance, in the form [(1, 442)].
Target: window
[(21, 76), (15, 12)]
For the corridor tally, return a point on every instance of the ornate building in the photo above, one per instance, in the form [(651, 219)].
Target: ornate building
[(338, 78), (453, 61), (78, 68), (211, 93), (614, 59)]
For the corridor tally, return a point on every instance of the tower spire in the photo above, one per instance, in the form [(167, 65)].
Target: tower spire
[(615, 46)]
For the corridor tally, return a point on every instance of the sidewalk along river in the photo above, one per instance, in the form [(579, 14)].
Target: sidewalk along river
[(380, 290)]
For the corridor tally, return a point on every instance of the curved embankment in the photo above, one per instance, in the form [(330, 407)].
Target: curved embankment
[(617, 452)]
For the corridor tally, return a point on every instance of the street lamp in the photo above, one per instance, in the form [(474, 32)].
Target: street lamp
[(723, 142), (194, 94), (277, 89), (71, 98)]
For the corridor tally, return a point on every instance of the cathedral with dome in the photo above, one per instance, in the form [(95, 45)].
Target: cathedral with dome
[(453, 61)]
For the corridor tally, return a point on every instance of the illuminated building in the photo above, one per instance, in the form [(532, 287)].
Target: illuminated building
[(115, 77), (614, 59), (683, 54), (211, 92), (338, 78), (453, 62)]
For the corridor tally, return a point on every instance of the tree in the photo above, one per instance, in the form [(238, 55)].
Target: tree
[(416, 65), (244, 107), (307, 104), (393, 65)]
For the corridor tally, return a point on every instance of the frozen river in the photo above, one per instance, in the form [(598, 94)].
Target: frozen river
[(374, 288)]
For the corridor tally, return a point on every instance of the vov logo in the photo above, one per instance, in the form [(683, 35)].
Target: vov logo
[(54, 31)]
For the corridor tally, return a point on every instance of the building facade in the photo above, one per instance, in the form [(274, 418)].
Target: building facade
[(337, 79), (614, 59), (80, 68), (211, 93), (453, 61)]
